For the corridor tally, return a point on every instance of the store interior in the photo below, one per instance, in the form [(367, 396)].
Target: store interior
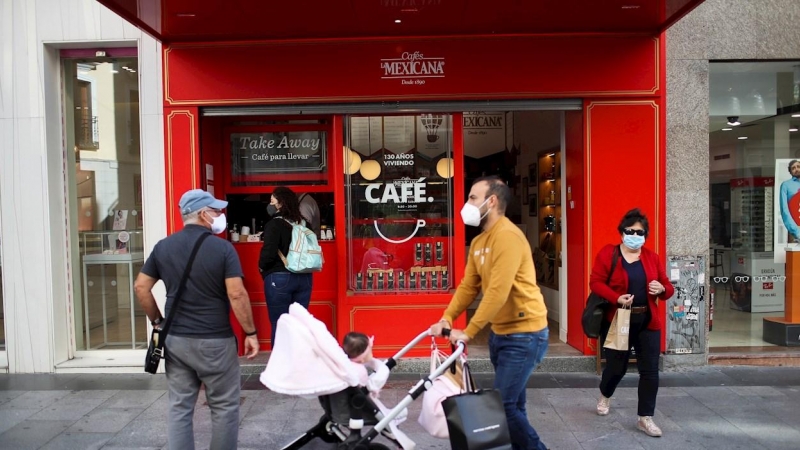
[(524, 147), (754, 117)]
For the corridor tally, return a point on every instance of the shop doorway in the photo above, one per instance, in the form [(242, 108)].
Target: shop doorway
[(525, 148)]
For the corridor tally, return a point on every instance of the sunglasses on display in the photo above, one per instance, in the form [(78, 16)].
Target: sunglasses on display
[(631, 232), (770, 278), (740, 279)]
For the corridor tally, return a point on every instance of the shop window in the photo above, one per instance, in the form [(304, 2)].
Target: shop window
[(754, 117), (398, 177), (2, 309), (101, 113)]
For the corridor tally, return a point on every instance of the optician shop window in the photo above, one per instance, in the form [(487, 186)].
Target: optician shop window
[(754, 199), (399, 183)]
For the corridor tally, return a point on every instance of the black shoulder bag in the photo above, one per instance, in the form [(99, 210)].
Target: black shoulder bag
[(592, 318), (155, 351)]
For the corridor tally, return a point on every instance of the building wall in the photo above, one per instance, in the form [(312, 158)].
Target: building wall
[(716, 30), (36, 263)]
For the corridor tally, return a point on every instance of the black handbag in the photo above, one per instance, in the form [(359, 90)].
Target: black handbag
[(155, 350), (595, 310), (476, 420)]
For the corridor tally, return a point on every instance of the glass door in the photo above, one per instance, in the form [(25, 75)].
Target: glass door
[(104, 188)]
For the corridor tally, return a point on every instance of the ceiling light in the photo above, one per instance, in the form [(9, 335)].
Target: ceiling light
[(397, 20), (792, 130), (185, 14), (727, 129), (630, 6), (795, 115), (742, 138)]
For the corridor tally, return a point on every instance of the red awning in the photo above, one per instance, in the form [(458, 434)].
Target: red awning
[(234, 20)]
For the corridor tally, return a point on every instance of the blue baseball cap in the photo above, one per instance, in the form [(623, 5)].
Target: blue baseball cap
[(197, 199)]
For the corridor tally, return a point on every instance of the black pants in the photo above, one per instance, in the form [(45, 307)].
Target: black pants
[(647, 344)]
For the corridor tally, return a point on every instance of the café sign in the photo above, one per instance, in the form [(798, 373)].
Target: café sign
[(278, 152), (412, 68)]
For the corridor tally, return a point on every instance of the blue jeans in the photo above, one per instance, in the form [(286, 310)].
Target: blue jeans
[(282, 289), (514, 356)]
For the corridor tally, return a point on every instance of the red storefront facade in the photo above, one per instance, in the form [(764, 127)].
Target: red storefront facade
[(614, 147)]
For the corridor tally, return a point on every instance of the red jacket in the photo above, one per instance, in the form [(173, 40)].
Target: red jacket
[(618, 285)]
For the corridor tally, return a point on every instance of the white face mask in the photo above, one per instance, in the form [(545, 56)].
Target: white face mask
[(219, 224), (471, 214)]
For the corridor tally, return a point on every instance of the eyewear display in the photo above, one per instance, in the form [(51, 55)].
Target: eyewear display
[(631, 232), (780, 278), (770, 278)]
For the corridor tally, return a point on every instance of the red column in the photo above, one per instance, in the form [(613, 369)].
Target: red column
[(624, 160), (182, 158)]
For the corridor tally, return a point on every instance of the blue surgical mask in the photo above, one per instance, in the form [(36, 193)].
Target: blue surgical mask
[(633, 242)]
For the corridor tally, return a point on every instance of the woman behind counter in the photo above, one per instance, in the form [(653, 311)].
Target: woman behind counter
[(638, 281), (281, 287)]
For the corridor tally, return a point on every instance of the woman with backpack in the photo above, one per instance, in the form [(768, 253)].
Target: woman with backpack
[(282, 287)]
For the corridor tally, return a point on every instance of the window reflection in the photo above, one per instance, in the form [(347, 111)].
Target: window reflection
[(105, 198)]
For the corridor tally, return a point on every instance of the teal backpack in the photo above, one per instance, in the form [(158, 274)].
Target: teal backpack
[(305, 253)]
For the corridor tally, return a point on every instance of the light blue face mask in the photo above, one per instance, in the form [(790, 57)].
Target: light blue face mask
[(633, 242)]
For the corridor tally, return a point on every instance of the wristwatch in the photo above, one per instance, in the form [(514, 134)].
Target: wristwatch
[(253, 333), (157, 322)]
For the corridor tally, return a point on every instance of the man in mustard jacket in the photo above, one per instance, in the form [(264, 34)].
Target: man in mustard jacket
[(500, 265)]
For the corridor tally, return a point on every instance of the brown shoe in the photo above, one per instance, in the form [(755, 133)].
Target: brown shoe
[(603, 405), (647, 425)]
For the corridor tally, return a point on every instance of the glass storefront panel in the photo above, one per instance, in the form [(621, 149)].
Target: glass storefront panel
[(101, 114), (754, 117), (398, 179), (2, 309)]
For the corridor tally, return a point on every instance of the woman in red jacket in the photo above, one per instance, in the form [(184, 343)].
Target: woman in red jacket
[(639, 280)]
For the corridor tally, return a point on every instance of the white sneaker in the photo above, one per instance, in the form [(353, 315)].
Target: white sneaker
[(603, 405), (647, 425)]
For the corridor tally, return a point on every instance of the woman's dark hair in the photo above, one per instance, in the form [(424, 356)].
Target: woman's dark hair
[(630, 218), (290, 207), (355, 343)]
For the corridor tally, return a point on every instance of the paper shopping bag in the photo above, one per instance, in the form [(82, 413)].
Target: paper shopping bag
[(452, 382), (617, 338)]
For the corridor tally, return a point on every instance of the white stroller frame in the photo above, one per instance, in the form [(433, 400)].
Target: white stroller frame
[(326, 429)]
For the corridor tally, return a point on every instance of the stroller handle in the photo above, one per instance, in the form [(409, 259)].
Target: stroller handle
[(392, 362)]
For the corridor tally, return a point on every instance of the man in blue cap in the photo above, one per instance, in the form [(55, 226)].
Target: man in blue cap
[(200, 346)]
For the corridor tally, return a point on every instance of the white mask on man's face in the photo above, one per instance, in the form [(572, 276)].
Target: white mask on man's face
[(471, 214), (219, 224)]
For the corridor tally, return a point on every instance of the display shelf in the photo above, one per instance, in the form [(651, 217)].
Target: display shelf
[(547, 253), (752, 214)]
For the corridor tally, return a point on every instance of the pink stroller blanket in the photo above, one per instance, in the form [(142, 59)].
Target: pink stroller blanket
[(307, 361)]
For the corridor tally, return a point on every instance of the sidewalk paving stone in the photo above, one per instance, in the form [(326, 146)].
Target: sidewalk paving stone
[(705, 408)]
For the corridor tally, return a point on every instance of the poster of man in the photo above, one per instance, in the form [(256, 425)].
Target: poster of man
[(787, 214)]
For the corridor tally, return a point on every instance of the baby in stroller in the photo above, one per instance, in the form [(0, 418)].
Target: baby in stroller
[(308, 362)]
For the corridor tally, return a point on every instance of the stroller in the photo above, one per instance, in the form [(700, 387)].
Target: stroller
[(343, 401)]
